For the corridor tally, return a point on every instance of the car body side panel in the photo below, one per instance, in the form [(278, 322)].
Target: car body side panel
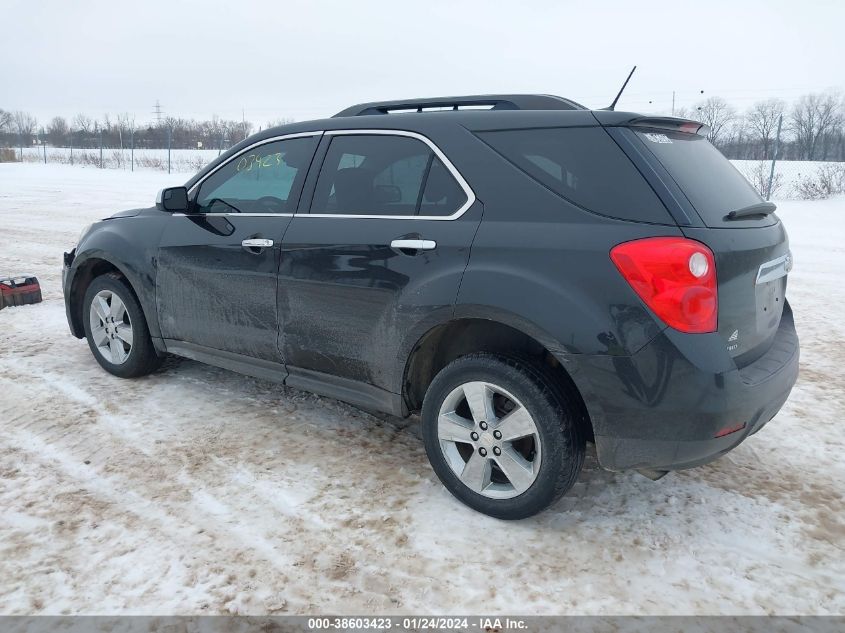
[(214, 293), (130, 245), (346, 298)]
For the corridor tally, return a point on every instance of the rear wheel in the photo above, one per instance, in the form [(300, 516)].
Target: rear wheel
[(501, 435), (116, 329)]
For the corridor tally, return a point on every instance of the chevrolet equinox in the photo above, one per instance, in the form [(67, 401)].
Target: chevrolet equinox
[(525, 273)]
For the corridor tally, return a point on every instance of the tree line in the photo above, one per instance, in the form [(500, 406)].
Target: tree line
[(813, 128), (20, 128)]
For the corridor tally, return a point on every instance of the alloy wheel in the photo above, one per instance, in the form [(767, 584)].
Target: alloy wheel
[(489, 440), (111, 327)]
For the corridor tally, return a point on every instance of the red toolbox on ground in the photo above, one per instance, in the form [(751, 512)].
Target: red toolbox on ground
[(19, 290)]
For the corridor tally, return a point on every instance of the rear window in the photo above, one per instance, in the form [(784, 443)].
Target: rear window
[(712, 185), (585, 166)]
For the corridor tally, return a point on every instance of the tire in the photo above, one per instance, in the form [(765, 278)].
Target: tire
[(501, 485), (138, 357)]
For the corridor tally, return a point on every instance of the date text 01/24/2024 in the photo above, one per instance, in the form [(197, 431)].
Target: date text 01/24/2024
[(417, 623)]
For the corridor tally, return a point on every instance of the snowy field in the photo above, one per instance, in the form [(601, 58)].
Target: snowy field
[(197, 490)]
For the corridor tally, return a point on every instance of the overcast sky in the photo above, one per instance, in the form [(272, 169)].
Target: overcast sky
[(306, 60)]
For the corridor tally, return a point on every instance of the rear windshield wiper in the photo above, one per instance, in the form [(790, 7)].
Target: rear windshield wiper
[(752, 210)]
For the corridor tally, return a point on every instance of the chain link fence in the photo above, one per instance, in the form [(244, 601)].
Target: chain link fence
[(170, 160), (794, 180)]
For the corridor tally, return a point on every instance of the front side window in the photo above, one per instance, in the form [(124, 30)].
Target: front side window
[(265, 179), (384, 175)]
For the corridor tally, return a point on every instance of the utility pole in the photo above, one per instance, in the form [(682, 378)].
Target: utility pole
[(774, 159), (157, 111), (701, 92)]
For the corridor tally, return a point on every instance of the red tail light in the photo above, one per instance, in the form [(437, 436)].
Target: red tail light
[(676, 278)]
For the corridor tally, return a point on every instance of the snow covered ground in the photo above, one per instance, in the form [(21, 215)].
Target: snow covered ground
[(197, 490)]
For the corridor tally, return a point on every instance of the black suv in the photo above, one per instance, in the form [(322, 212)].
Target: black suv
[(526, 273)]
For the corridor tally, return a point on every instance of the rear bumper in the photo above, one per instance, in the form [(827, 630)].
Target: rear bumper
[(669, 406)]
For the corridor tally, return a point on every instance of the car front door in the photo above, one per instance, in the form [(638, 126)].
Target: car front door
[(217, 264), (383, 247)]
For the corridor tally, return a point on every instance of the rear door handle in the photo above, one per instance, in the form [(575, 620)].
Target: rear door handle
[(256, 244), (414, 245)]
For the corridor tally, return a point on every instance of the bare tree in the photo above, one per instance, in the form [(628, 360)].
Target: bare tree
[(57, 131), (5, 121), (83, 123), (280, 122), (24, 124), (685, 113), (718, 115), (762, 121), (125, 122), (813, 117)]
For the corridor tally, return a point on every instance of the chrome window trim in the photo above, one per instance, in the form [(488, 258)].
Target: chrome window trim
[(470, 194), (272, 139), (233, 215)]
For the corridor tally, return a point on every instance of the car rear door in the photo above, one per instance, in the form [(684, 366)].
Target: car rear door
[(217, 264), (383, 248)]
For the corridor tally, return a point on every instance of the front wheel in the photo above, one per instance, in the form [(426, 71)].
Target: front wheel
[(116, 329), (501, 436)]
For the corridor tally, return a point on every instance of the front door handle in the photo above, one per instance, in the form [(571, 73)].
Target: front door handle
[(414, 245), (256, 244)]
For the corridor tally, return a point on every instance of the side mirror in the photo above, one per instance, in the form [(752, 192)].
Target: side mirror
[(172, 199)]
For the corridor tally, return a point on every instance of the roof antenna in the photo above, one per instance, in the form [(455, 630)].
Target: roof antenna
[(621, 90)]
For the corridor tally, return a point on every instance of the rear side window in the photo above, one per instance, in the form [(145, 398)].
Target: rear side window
[(442, 194), (384, 175), (585, 166), (707, 178)]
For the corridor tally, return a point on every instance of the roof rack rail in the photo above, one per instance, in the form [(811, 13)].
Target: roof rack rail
[(491, 102)]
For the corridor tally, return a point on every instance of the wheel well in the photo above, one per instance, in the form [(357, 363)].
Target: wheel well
[(444, 343), (85, 274)]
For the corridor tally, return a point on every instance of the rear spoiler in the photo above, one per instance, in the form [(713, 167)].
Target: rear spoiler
[(669, 123)]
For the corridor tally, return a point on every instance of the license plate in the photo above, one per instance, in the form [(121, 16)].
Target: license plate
[(769, 303)]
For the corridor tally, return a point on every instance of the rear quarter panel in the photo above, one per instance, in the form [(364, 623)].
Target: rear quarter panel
[(547, 261)]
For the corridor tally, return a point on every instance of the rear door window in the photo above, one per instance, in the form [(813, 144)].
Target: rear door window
[(384, 174), (442, 194), (585, 166), (709, 181)]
